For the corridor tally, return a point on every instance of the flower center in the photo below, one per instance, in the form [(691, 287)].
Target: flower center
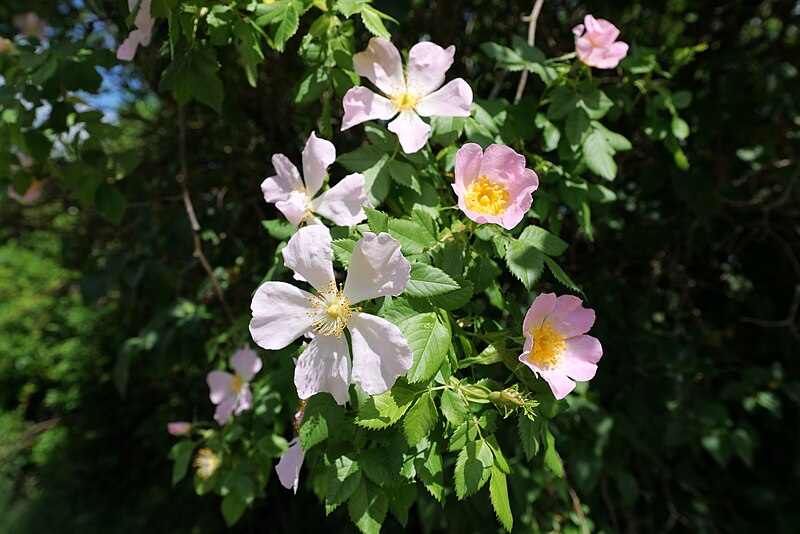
[(548, 344), (237, 383), (206, 462), (487, 197), (330, 310), (406, 100), (308, 210)]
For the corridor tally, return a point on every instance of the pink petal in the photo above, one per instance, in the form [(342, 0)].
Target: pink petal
[(324, 366), (500, 161), (279, 315), (570, 318), (179, 428), (224, 410), (468, 166), (309, 254), (289, 465), (514, 214), (380, 63), (540, 309), (584, 348), (427, 65), (288, 177), (127, 49), (380, 353), (578, 30), (377, 268), (318, 154), (584, 49), (592, 26), (412, 132), (246, 363), (362, 105), (559, 382), (245, 401), (452, 100), (294, 206), (220, 385), (144, 21), (605, 35), (343, 203)]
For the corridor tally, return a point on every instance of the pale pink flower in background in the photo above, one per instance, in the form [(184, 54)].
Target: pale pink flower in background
[(493, 187), (179, 428), (289, 465), (294, 196), (555, 345), (231, 392), (282, 313), (31, 195), (141, 35), (416, 93), (596, 43), (30, 25)]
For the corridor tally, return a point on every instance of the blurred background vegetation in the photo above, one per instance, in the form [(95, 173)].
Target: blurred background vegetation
[(108, 322)]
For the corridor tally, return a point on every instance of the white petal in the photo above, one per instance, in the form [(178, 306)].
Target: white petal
[(310, 255), (427, 64), (412, 132), (280, 315), (380, 353), (452, 100), (324, 366), (377, 268), (381, 64), (318, 154), (220, 386), (293, 206), (289, 465), (343, 203), (287, 175), (246, 363)]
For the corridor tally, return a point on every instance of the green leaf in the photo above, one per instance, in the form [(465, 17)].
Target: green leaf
[(381, 411), (525, 262), (403, 173), (286, 28), (527, 436), (561, 276), (110, 203), (413, 237), (473, 468), (233, 507), (343, 478), (597, 154), (312, 85), (428, 281), (430, 469), (420, 419), (562, 101), (429, 340), (372, 20), (453, 407), (577, 123), (455, 300), (680, 129), (320, 417), (377, 466), (498, 492), (350, 7), (280, 230), (551, 459), (400, 500), (343, 249), (376, 220), (543, 240), (181, 455), (367, 507)]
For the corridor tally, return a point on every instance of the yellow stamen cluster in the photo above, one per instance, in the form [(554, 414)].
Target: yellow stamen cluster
[(206, 462), (548, 344), (308, 211), (406, 100), (237, 383), (330, 310), (487, 197)]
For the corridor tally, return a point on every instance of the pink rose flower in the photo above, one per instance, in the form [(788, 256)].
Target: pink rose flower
[(596, 44), (289, 465), (30, 25), (282, 313), (294, 196), (31, 195), (179, 428), (141, 35), (231, 392), (493, 187), (555, 345), (411, 95)]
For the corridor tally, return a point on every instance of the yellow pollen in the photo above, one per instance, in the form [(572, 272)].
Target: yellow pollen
[(406, 100), (236, 385), (548, 344), (330, 311), (487, 197), (206, 462)]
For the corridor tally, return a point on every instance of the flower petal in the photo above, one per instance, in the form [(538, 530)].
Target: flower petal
[(343, 203), (452, 100), (286, 180), (224, 410), (427, 65), (380, 63), (293, 207), (362, 105), (560, 384), (584, 348), (279, 315), (377, 268), (309, 254), (538, 312), (220, 386), (380, 353), (246, 363), (318, 154), (324, 366), (127, 50), (569, 316), (245, 400), (468, 166), (502, 162), (411, 131), (289, 465)]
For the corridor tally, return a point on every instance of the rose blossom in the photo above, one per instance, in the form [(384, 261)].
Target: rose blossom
[(141, 35), (179, 428), (411, 95), (494, 186), (231, 392), (596, 44), (556, 346), (282, 313), (294, 196)]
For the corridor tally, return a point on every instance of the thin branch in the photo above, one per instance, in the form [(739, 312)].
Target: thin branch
[(183, 179), (532, 19)]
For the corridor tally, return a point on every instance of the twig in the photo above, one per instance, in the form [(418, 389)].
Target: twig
[(532, 19), (183, 179)]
